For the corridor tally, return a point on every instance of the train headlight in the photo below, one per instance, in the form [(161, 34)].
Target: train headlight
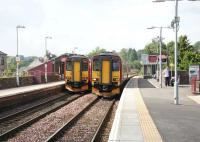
[(95, 79), (115, 79)]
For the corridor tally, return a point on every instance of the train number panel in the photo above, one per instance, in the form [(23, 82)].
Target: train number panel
[(77, 74), (106, 74)]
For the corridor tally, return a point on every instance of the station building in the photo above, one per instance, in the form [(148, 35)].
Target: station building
[(150, 64)]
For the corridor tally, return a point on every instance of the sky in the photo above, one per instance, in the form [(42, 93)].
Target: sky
[(85, 24)]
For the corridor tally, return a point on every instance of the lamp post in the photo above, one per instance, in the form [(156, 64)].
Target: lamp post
[(46, 59), (175, 23), (160, 60), (17, 56), (156, 40)]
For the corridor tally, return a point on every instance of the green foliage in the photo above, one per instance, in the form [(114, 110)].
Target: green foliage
[(153, 48), (130, 59), (96, 51), (136, 65), (197, 46), (170, 47), (139, 53), (187, 54), (11, 64)]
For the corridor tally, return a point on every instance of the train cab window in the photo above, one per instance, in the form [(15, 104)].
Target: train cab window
[(115, 66), (96, 65), (85, 66), (69, 66)]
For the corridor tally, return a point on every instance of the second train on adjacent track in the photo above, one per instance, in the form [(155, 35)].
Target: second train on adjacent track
[(106, 74), (102, 74)]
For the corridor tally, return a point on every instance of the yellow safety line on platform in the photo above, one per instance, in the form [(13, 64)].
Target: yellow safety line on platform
[(149, 130)]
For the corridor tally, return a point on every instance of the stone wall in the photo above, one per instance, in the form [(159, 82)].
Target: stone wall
[(10, 82)]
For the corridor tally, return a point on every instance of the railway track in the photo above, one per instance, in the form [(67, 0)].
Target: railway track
[(46, 126), (86, 124), (14, 122), (5, 115)]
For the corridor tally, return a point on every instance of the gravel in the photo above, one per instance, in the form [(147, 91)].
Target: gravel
[(108, 125), (29, 104), (45, 127), (24, 117), (84, 129)]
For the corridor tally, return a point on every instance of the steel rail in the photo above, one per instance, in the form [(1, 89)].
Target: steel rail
[(56, 135), (13, 131), (30, 108), (97, 133)]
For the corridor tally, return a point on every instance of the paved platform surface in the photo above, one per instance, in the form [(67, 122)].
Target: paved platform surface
[(175, 123), (18, 90), (133, 122)]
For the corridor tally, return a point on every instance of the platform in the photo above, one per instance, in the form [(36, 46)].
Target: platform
[(146, 113), (25, 89), (132, 120), (14, 96)]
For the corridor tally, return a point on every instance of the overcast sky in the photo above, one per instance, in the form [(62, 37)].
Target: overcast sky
[(86, 24)]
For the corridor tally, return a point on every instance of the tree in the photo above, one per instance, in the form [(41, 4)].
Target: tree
[(187, 54), (153, 48), (136, 65), (170, 47), (139, 53), (197, 46), (184, 50), (129, 56), (96, 51)]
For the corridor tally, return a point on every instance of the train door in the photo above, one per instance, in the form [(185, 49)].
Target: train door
[(106, 72), (77, 71)]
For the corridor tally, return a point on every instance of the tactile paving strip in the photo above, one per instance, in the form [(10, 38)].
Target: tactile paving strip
[(149, 130)]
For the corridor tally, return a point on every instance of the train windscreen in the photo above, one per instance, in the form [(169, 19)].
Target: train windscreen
[(96, 65), (69, 66), (115, 66), (85, 66)]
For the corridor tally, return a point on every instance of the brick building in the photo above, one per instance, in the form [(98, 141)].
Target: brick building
[(3, 63)]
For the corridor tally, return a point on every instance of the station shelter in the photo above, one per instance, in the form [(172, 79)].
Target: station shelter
[(150, 64)]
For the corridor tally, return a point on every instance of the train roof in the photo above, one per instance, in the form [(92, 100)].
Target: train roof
[(107, 54), (78, 56)]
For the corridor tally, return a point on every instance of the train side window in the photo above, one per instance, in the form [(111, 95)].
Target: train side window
[(69, 66), (115, 66), (85, 66), (96, 66)]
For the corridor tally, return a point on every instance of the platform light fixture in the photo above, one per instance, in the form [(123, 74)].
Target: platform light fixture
[(176, 21), (160, 60), (17, 56)]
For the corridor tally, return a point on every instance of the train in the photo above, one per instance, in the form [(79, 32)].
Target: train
[(77, 74), (106, 74), (101, 74)]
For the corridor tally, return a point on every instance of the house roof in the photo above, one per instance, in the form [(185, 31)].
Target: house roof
[(1, 53)]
